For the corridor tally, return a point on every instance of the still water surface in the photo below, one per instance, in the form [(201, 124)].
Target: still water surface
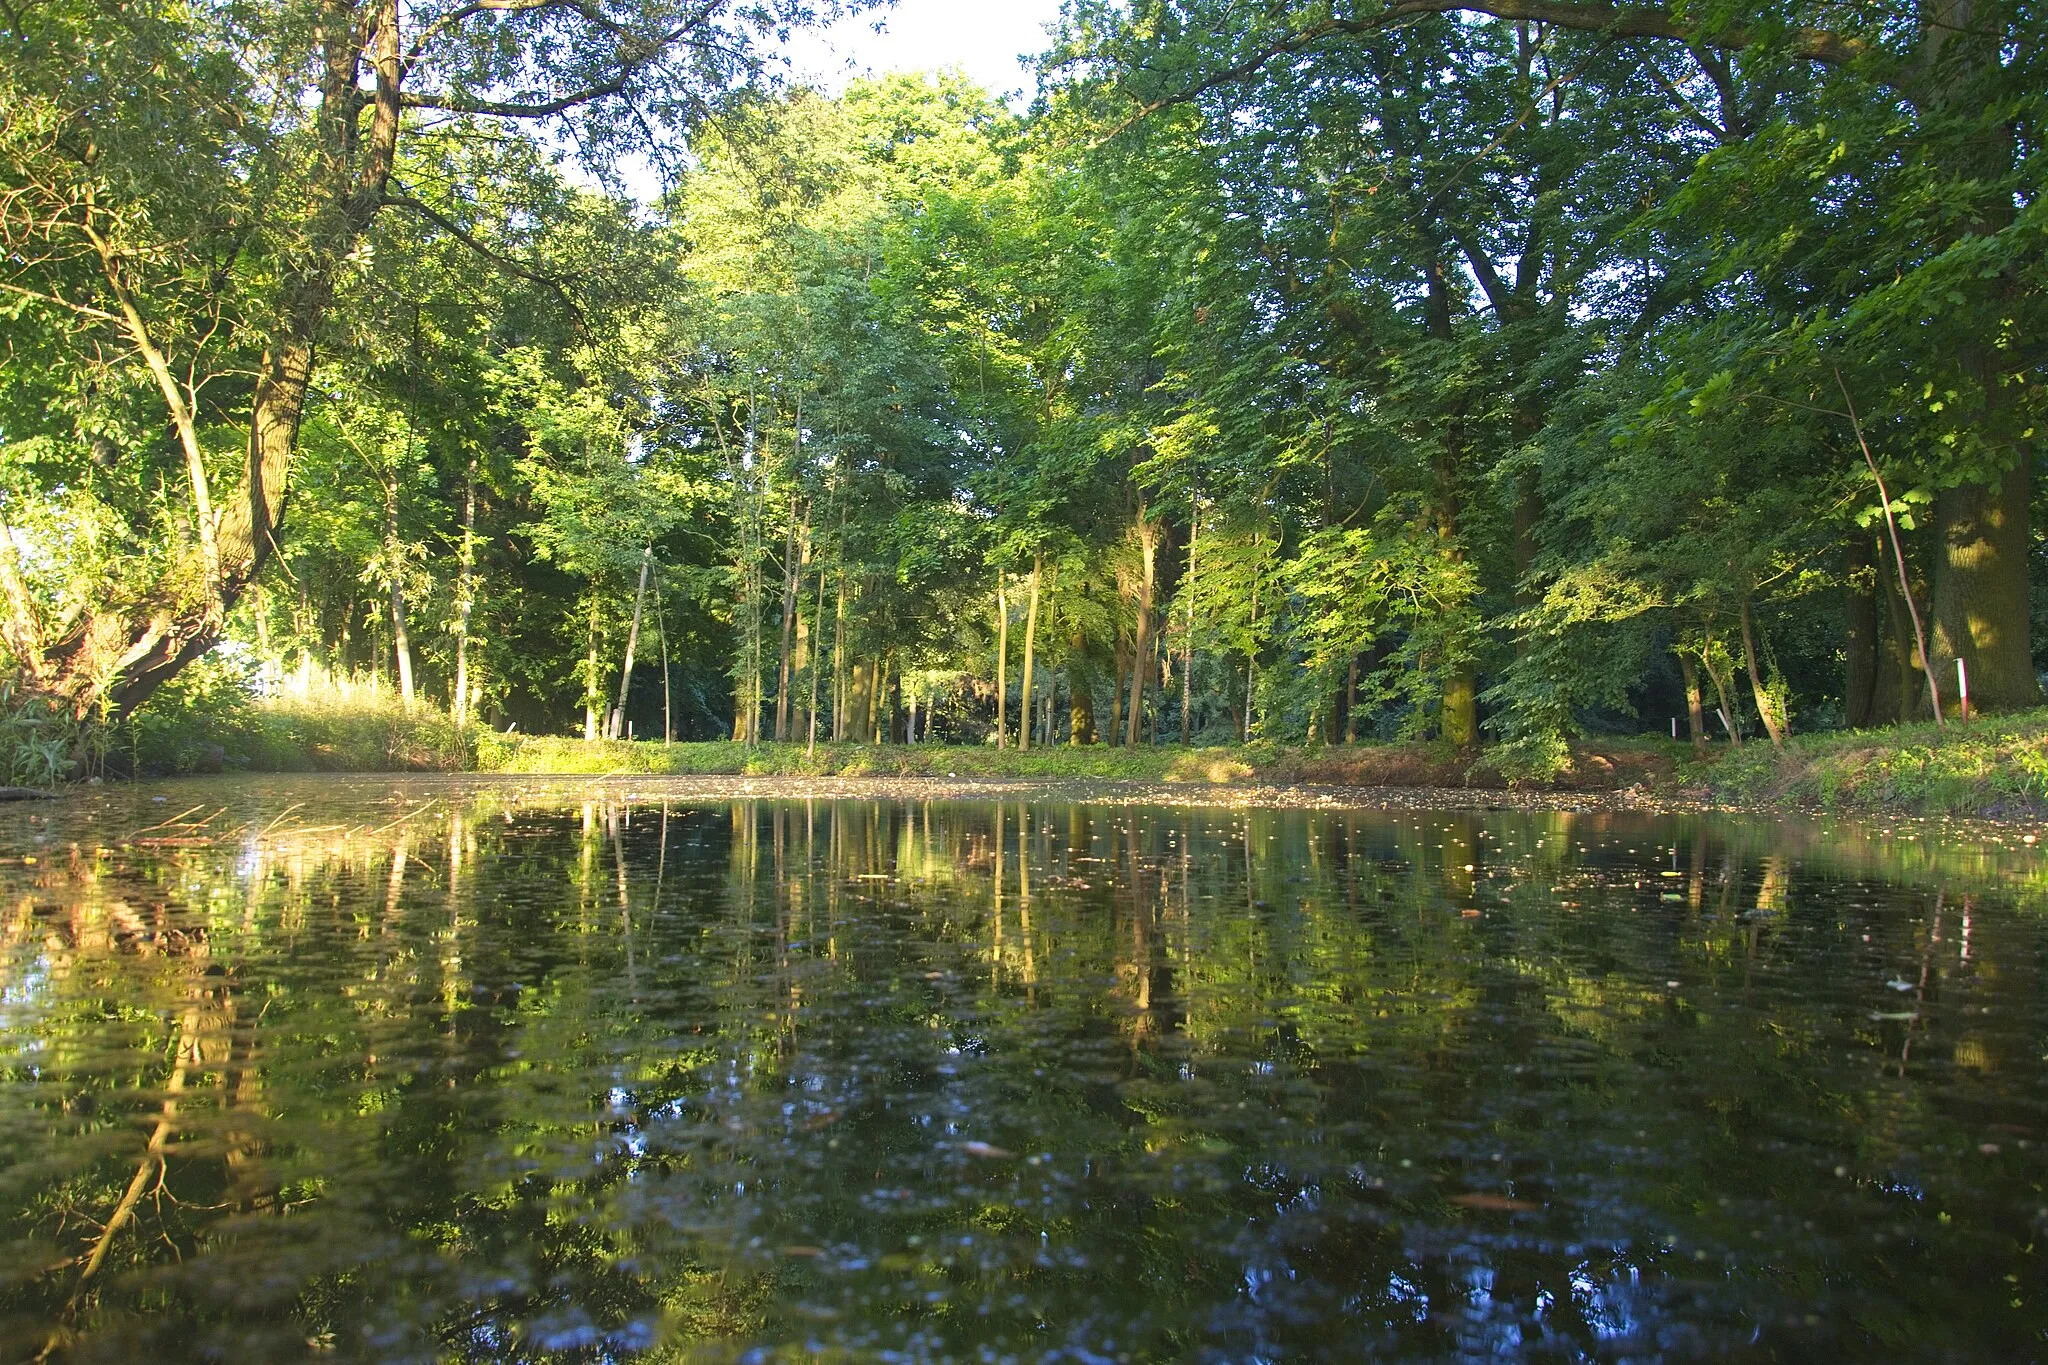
[(431, 1071)]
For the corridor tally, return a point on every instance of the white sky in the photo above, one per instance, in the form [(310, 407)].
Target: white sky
[(981, 38)]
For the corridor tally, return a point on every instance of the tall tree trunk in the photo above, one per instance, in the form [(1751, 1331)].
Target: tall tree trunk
[(1459, 722), (839, 710), (1024, 714), (1351, 701), (817, 659), (668, 724), (593, 695), (858, 685), (1766, 704), (1002, 661), (1141, 653), (1120, 670), (1724, 682), (1982, 608), (394, 569), (1859, 632), (618, 726), (118, 655), (1080, 706), (465, 596), (23, 632), (1251, 653), (1695, 710), (1187, 670), (791, 571), (896, 732), (870, 727)]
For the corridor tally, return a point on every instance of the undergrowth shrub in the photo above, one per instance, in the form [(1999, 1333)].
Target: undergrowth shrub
[(39, 743)]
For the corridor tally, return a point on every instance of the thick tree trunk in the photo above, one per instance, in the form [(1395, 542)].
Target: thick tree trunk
[(117, 656), (1080, 707), (1982, 609), (1981, 603), (1024, 713), (859, 684)]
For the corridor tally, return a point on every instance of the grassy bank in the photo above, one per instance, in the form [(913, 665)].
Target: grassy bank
[(1995, 766), (1397, 765)]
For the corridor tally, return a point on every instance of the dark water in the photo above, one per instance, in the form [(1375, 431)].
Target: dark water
[(447, 1073)]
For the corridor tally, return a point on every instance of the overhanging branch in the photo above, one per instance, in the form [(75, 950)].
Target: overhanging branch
[(498, 259), (1623, 21)]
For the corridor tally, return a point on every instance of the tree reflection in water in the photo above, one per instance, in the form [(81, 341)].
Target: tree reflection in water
[(454, 1072)]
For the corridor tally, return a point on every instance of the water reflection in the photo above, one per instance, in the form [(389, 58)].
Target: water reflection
[(438, 1073)]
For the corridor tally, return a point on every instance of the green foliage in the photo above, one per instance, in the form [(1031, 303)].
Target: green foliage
[(1445, 380), (39, 742), (1992, 766)]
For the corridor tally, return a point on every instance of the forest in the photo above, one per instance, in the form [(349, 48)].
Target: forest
[(1495, 374)]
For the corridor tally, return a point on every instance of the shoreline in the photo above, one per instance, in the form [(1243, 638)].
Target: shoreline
[(1243, 795)]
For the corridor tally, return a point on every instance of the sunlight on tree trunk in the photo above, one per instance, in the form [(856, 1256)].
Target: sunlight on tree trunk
[(394, 568), (465, 597), (1025, 716), (593, 695), (1141, 649), (1002, 660), (1766, 702), (1695, 708), (632, 643)]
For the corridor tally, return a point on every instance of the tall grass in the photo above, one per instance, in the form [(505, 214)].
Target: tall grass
[(209, 719)]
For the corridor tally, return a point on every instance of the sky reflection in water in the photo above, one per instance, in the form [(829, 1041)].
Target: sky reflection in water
[(444, 1071)]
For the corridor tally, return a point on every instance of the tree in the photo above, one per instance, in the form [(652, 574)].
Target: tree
[(192, 216)]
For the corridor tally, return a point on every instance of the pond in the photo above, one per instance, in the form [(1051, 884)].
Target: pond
[(438, 1070)]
